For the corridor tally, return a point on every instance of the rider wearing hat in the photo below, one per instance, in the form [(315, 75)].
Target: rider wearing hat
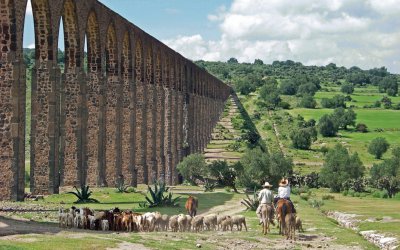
[(284, 192), (265, 197)]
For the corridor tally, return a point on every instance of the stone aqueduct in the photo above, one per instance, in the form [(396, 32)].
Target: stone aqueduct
[(137, 110)]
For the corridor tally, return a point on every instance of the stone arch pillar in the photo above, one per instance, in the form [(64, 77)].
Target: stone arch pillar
[(93, 96), (12, 101), (168, 119), (140, 105), (127, 110), (111, 114), (45, 74), (160, 114), (150, 168), (173, 93), (71, 125)]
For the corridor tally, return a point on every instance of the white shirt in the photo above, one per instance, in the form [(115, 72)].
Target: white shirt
[(284, 192), (265, 196)]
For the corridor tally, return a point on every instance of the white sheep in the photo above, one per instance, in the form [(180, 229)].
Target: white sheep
[(210, 222), (227, 223), (188, 222), (239, 220), (197, 223), (164, 222), (182, 222), (105, 225), (92, 222), (220, 218), (173, 223)]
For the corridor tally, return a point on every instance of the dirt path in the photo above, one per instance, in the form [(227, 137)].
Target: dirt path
[(276, 133)]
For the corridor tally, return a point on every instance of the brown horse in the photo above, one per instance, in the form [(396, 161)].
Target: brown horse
[(191, 206), (283, 208), (266, 215)]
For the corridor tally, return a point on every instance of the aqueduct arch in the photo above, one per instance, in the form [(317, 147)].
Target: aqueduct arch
[(137, 111)]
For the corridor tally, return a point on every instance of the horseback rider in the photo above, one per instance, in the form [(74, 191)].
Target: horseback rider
[(284, 193), (265, 197)]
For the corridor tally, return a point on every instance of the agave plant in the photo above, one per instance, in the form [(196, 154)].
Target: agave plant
[(251, 203), (157, 197), (209, 186), (83, 195)]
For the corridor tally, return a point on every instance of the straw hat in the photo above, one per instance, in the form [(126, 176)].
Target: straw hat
[(284, 182), (267, 185)]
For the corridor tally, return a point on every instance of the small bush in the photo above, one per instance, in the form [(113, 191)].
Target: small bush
[(209, 186), (328, 197), (304, 197), (316, 203), (228, 189), (351, 193), (345, 192)]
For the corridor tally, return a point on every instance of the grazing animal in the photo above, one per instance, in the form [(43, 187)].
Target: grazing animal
[(118, 225), (283, 208), (266, 215), (173, 223), (239, 221), (157, 221), (191, 206), (188, 222), (136, 221), (127, 221), (148, 220), (164, 222), (210, 222), (197, 223), (62, 218), (290, 229), (104, 225), (70, 220), (92, 222), (227, 223), (220, 218), (182, 222), (299, 224)]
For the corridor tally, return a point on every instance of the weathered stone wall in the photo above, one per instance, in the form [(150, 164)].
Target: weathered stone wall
[(137, 111)]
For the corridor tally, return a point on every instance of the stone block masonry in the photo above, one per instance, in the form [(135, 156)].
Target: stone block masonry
[(137, 110)]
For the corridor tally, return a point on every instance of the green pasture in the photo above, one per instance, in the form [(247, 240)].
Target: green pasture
[(315, 223)]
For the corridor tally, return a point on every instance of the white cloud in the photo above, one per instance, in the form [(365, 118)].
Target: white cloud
[(29, 8), (31, 46), (357, 32)]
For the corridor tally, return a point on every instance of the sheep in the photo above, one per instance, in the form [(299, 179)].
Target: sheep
[(70, 220), (188, 222), (92, 222), (157, 221), (197, 223), (173, 223), (299, 224), (118, 226), (239, 220), (136, 221), (164, 222), (210, 222), (105, 225), (148, 221), (227, 223), (62, 218), (220, 218), (182, 222)]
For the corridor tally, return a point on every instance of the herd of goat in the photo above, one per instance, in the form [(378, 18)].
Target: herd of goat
[(117, 220)]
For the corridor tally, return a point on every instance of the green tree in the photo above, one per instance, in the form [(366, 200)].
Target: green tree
[(225, 174), (344, 118), (327, 126), (193, 167), (308, 101), (307, 89), (347, 89), (386, 175), (378, 147), (339, 166), (254, 168), (288, 87), (302, 138), (233, 60), (258, 62), (244, 87)]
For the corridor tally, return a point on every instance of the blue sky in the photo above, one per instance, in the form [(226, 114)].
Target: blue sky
[(363, 33)]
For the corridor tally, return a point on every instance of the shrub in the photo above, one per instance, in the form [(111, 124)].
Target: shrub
[(251, 203), (327, 126), (347, 88), (345, 192), (209, 186), (361, 127), (328, 197), (378, 147), (83, 195), (158, 198), (316, 203), (308, 102), (284, 105), (193, 167), (304, 197)]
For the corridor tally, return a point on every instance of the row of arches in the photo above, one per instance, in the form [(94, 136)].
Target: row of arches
[(136, 111)]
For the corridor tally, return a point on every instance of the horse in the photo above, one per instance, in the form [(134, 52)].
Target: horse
[(191, 206), (290, 230), (266, 215), (283, 208)]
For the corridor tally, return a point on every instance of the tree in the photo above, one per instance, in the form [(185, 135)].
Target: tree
[(257, 166), (378, 147), (258, 62), (387, 174), (270, 95), (308, 102), (327, 126), (347, 89), (336, 102), (288, 87), (307, 89), (193, 167), (244, 87), (233, 60), (303, 138), (344, 118), (361, 127), (339, 166), (225, 174), (387, 102)]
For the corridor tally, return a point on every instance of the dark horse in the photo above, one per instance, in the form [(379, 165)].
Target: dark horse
[(191, 206), (283, 207)]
